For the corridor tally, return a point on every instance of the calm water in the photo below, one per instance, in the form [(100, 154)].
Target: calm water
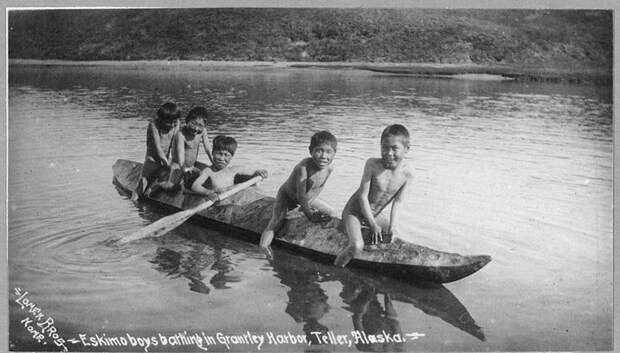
[(522, 172)]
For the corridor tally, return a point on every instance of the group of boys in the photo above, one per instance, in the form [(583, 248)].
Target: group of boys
[(172, 152)]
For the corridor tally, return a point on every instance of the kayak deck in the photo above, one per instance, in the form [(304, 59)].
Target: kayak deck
[(249, 212)]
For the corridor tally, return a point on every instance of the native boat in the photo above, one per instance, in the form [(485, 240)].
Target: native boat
[(247, 213)]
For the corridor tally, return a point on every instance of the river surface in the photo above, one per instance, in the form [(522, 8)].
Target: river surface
[(518, 171)]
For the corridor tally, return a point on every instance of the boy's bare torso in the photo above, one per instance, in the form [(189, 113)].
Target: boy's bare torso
[(191, 149), (384, 185), (314, 183), (220, 180), (165, 141)]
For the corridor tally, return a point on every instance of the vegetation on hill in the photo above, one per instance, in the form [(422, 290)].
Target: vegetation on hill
[(543, 38)]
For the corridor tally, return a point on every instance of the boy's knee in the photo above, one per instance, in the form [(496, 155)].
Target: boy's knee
[(357, 246)]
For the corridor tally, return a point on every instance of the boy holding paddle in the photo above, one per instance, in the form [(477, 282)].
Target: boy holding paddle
[(220, 176), (384, 181), (303, 186)]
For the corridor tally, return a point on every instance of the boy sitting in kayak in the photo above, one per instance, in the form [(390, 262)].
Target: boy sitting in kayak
[(220, 176), (185, 148), (303, 186), (384, 181), (159, 136)]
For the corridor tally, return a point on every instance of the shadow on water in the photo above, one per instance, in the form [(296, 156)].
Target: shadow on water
[(307, 301)]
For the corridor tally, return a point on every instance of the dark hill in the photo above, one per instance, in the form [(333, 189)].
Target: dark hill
[(556, 38)]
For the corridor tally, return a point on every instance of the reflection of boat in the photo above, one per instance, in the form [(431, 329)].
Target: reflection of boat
[(360, 288), (307, 301), (249, 211)]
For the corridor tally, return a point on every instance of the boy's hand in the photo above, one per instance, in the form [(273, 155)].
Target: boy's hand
[(375, 233), (214, 197), (262, 173), (319, 217)]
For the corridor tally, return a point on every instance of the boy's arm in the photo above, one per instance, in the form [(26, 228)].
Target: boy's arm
[(242, 170), (154, 133), (365, 203), (301, 194), (205, 143), (398, 200), (197, 184), (174, 138), (180, 149)]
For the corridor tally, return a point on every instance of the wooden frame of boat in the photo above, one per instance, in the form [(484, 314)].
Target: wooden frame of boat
[(246, 214)]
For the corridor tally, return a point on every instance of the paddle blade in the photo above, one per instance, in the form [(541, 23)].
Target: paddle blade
[(168, 223), (161, 226)]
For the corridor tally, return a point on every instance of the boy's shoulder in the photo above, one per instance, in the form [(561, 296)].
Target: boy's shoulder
[(406, 170), (304, 163), (374, 163), (179, 134)]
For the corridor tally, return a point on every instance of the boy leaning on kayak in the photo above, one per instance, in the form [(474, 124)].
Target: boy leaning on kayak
[(159, 136), (303, 186), (383, 182)]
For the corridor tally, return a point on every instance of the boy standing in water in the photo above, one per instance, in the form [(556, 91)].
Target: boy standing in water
[(220, 176), (185, 150), (384, 181), (303, 186), (159, 136)]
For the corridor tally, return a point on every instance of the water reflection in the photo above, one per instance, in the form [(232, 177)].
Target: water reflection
[(360, 290), (369, 297)]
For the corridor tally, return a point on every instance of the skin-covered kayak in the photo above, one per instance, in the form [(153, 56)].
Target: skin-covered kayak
[(247, 213)]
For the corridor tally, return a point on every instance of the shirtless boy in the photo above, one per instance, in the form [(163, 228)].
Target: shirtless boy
[(220, 176), (185, 150), (303, 186), (384, 181), (159, 136)]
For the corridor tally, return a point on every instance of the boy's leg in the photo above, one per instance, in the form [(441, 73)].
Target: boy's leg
[(324, 207), (172, 183), (277, 216), (149, 170), (140, 189), (353, 228)]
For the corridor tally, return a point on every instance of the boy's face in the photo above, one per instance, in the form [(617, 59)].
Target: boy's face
[(393, 150), (323, 155), (221, 159), (195, 127), (166, 125)]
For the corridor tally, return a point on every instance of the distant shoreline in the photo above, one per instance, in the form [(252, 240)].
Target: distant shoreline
[(462, 71)]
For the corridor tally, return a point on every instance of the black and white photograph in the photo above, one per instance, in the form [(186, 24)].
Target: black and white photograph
[(223, 178)]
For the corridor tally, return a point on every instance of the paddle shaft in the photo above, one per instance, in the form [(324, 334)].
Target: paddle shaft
[(168, 223)]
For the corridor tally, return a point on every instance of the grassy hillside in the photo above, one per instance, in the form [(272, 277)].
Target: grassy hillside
[(558, 38)]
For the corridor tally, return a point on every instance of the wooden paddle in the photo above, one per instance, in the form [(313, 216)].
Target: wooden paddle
[(168, 223)]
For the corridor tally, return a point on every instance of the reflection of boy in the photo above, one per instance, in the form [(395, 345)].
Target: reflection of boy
[(220, 176), (185, 150), (370, 318), (303, 186), (384, 181), (159, 136)]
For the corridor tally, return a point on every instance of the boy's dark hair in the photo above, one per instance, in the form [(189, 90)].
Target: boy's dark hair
[(197, 113), (396, 130), (168, 111), (225, 143), (322, 137)]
